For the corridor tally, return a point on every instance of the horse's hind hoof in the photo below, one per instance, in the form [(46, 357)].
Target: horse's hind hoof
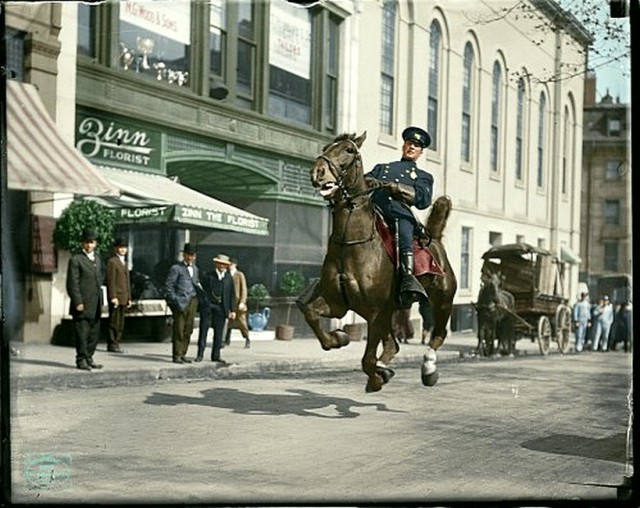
[(430, 379), (371, 388), (385, 373)]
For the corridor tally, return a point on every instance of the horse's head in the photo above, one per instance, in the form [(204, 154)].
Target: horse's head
[(337, 172)]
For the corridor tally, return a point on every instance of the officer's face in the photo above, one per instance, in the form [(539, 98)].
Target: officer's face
[(411, 150)]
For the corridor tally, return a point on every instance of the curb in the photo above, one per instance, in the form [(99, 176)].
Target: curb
[(266, 369)]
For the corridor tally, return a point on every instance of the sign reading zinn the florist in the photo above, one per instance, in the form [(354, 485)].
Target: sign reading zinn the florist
[(191, 216), (113, 141)]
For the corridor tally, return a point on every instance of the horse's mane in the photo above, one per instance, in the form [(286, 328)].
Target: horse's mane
[(342, 137)]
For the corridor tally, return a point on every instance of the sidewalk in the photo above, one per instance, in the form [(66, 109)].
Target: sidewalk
[(45, 366)]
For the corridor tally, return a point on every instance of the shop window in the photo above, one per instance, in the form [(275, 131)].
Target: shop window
[(155, 40), (290, 62)]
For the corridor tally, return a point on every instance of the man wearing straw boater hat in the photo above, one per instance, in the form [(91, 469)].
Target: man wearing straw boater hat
[(218, 285)]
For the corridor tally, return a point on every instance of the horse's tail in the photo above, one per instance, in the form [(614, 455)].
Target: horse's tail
[(437, 221)]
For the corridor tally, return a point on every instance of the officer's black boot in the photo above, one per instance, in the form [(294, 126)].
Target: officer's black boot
[(410, 289)]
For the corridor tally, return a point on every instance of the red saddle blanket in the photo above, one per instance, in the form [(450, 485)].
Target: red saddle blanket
[(423, 260)]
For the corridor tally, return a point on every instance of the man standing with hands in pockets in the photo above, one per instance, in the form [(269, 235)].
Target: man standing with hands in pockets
[(240, 321), (118, 294)]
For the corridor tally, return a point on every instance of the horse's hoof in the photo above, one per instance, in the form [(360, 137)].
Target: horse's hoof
[(343, 338), (385, 373), (430, 379), (371, 388)]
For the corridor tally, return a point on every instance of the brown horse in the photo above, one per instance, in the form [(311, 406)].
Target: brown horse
[(358, 274)]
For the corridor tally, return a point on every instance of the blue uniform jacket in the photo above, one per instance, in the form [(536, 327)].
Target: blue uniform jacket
[(407, 173)]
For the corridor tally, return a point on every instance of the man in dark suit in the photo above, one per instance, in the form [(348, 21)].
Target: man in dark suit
[(85, 275), (218, 285), (118, 294), (401, 184), (181, 289)]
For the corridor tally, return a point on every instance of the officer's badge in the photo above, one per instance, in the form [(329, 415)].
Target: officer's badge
[(413, 175)]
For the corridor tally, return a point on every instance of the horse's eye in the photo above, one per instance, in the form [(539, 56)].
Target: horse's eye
[(350, 149)]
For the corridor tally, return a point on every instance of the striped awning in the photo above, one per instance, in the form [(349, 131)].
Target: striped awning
[(151, 198), (38, 157)]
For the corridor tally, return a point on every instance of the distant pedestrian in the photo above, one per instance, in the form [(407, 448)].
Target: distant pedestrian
[(85, 276), (606, 320), (218, 285), (118, 294), (623, 328), (240, 321), (401, 325), (596, 327), (581, 320), (181, 292)]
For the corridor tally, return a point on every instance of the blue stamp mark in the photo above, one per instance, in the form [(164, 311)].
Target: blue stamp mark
[(48, 472)]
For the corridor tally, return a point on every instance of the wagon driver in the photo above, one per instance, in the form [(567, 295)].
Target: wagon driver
[(402, 185)]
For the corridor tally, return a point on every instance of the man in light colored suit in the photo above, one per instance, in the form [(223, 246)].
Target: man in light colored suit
[(240, 322), (181, 292), (118, 294)]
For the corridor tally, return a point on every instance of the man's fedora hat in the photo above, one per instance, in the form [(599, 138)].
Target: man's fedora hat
[(189, 248), (89, 235), (221, 258), (418, 135)]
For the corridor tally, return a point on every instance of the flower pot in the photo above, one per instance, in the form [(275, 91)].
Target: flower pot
[(258, 320), (356, 331), (284, 332)]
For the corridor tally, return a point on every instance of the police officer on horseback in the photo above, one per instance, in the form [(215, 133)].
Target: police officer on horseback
[(399, 185)]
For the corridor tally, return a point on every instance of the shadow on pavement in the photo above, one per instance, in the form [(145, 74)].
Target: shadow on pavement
[(612, 448), (298, 402)]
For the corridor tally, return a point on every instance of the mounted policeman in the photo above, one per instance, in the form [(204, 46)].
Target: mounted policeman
[(400, 185)]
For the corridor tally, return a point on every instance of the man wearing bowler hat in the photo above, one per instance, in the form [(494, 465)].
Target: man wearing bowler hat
[(401, 184), (118, 293), (85, 275), (181, 292), (218, 285)]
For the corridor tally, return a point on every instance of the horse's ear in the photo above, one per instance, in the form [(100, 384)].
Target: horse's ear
[(360, 140)]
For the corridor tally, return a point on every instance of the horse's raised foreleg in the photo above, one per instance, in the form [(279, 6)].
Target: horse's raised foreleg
[(314, 306)]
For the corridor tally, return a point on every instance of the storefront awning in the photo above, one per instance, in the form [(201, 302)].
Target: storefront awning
[(149, 198), (38, 157), (568, 256)]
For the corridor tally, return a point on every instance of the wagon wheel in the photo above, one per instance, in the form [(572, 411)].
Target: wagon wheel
[(544, 334), (563, 327)]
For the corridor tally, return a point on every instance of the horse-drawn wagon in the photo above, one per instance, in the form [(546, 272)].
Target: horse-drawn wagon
[(529, 299)]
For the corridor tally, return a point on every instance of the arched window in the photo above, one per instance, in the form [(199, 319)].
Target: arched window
[(496, 99), (520, 129), (567, 152), (541, 135), (435, 43), (467, 91), (387, 77)]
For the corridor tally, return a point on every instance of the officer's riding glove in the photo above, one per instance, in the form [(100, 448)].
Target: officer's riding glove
[(401, 192)]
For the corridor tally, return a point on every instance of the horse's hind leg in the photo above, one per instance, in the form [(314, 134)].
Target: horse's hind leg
[(313, 305)]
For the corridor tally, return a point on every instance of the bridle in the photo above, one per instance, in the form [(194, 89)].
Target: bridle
[(340, 174)]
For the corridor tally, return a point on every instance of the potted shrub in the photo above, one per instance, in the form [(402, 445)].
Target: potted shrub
[(82, 214), (258, 316), (292, 283)]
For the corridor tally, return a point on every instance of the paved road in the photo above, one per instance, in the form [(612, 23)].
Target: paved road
[(530, 428)]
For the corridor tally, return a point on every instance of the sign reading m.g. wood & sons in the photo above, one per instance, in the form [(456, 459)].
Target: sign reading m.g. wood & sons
[(116, 141)]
